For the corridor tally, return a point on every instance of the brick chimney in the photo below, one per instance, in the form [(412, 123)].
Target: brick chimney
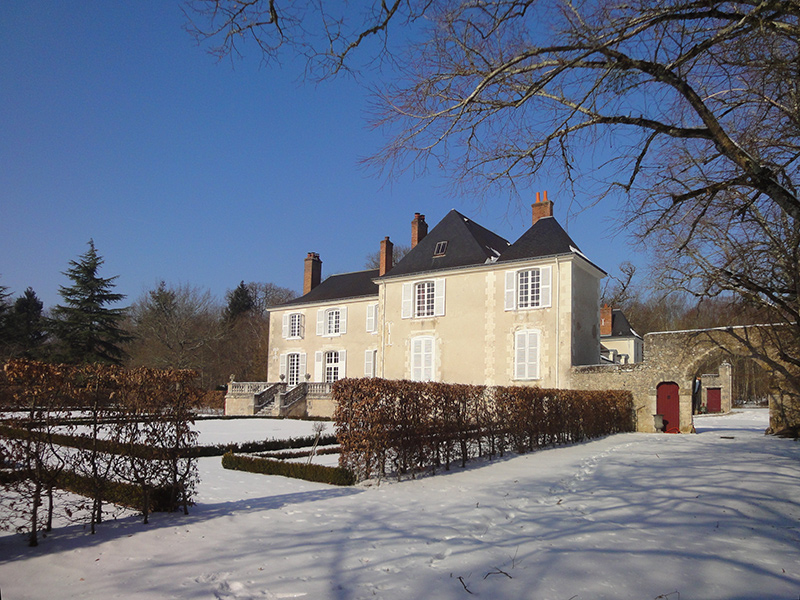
[(605, 320), (541, 208), (313, 272), (385, 263), (419, 229)]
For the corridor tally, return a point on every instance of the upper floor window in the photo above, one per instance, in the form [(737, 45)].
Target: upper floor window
[(423, 299), (293, 326), (424, 294), (440, 249), (332, 321), (529, 288)]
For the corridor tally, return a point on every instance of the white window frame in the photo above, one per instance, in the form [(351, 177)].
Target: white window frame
[(294, 326), (527, 354), (286, 367), (325, 321), (522, 295), (423, 358), (409, 306)]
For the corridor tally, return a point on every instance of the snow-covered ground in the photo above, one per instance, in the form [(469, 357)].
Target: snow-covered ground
[(712, 515)]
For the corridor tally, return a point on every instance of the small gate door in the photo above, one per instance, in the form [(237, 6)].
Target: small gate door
[(714, 400), (668, 404)]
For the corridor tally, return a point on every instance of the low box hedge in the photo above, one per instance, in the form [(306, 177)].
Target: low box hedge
[(267, 466)]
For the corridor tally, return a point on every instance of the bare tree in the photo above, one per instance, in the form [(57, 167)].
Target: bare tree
[(373, 260), (697, 103), (176, 327)]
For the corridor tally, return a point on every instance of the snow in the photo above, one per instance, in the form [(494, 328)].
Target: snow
[(712, 515)]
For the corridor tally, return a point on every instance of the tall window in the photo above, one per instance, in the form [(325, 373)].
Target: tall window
[(423, 299), (528, 289), (422, 349), (424, 293), (293, 369), (526, 354), (296, 325), (331, 366), (293, 326), (332, 321)]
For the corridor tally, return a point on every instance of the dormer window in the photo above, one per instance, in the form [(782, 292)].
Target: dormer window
[(440, 249)]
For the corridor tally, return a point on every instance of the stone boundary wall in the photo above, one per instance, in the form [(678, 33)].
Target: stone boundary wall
[(670, 357)]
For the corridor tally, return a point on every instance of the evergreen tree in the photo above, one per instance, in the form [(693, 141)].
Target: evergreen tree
[(26, 326), (5, 333), (88, 331), (240, 302)]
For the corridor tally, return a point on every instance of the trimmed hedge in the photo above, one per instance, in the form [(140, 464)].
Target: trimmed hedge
[(266, 466), (263, 446), (407, 426)]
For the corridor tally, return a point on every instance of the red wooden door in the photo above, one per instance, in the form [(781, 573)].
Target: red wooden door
[(714, 400), (668, 404)]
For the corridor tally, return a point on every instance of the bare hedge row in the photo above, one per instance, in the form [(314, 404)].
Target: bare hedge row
[(401, 427), (138, 432)]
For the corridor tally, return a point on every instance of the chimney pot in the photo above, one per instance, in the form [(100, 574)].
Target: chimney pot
[(541, 208)]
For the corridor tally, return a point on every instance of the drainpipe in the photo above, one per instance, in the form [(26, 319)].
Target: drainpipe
[(558, 324)]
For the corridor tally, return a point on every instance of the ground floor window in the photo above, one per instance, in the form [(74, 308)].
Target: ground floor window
[(293, 369), (332, 366), (422, 355), (526, 354)]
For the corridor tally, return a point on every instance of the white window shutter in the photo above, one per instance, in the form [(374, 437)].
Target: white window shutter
[(545, 285), (511, 290), (286, 325), (342, 364), (438, 298), (282, 368), (369, 363), (318, 370), (302, 376), (533, 354), (416, 359), (320, 322), (406, 310), (521, 355), (371, 310), (302, 318), (427, 366), (343, 320)]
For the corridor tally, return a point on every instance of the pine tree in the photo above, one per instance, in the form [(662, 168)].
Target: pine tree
[(240, 302), (88, 330), (26, 325), (5, 332)]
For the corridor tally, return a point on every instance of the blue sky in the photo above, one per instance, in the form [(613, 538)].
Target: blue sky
[(116, 126)]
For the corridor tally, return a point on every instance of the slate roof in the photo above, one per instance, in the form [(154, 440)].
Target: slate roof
[(467, 244), (339, 287), (620, 327), (544, 238)]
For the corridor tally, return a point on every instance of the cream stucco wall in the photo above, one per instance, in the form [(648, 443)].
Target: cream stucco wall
[(474, 339), (355, 341)]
